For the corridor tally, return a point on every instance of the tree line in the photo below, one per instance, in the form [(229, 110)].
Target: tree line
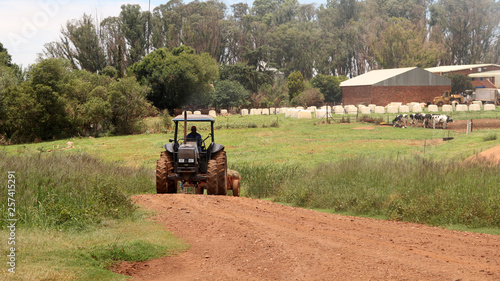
[(104, 75), (343, 37)]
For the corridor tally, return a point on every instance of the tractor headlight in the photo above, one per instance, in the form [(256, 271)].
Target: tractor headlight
[(181, 160), (190, 160)]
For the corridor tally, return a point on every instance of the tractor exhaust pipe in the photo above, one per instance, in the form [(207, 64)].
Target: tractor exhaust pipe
[(185, 125)]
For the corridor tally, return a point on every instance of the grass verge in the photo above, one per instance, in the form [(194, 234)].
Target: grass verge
[(75, 217), (88, 255)]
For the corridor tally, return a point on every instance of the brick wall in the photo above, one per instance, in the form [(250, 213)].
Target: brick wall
[(383, 95), (356, 95)]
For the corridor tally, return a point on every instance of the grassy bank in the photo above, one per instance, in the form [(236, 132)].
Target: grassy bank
[(75, 218), (415, 190)]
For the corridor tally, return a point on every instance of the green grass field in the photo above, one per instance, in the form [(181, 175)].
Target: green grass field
[(73, 199)]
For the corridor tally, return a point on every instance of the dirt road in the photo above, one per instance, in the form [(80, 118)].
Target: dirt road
[(246, 239)]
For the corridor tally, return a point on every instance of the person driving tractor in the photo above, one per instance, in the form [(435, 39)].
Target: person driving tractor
[(195, 136)]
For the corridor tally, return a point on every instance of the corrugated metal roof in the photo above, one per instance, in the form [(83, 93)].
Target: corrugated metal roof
[(486, 74), (410, 76), (375, 76), (449, 68)]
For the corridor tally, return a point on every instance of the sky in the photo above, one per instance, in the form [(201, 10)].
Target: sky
[(27, 25)]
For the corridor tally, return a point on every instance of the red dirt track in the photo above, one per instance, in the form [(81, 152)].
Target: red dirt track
[(246, 239)]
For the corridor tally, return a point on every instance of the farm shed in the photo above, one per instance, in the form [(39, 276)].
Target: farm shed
[(485, 78), (463, 69), (384, 86)]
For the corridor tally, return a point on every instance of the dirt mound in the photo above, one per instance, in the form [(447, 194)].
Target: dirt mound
[(245, 239), (490, 156)]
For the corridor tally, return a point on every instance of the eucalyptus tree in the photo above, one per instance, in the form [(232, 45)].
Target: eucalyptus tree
[(468, 28), (80, 43)]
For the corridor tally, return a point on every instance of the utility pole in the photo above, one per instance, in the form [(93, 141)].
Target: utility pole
[(149, 27)]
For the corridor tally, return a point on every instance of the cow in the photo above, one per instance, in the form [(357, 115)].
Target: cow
[(401, 118), (417, 118), (441, 119)]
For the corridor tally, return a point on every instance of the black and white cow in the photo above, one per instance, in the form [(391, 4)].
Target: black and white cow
[(417, 118), (400, 121), (441, 119)]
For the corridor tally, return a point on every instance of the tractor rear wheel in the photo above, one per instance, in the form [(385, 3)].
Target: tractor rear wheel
[(212, 176), (164, 167), (221, 159)]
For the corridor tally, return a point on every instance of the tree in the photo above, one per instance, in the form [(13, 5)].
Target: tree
[(404, 44), (229, 94), (329, 86), (80, 44), (468, 29), (174, 77), (460, 83), (133, 23), (128, 103), (295, 84), (247, 75), (310, 97)]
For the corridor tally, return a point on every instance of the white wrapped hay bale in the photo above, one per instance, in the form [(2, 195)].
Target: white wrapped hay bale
[(417, 108), (320, 113), (304, 114), (365, 110), (488, 107), (462, 107), (223, 112), (352, 110), (404, 109), (379, 109), (433, 108), (265, 111), (244, 112), (474, 107), (197, 112), (312, 108), (447, 108), (213, 113), (339, 110), (392, 109)]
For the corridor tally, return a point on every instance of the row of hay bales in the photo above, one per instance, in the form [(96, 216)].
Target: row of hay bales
[(306, 113), (395, 107)]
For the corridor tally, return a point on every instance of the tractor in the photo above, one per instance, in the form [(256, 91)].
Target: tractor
[(448, 98), (200, 163)]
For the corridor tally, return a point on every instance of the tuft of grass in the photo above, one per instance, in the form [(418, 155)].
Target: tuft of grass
[(490, 137)]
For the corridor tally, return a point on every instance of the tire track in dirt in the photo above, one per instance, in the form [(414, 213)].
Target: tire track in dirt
[(246, 239)]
